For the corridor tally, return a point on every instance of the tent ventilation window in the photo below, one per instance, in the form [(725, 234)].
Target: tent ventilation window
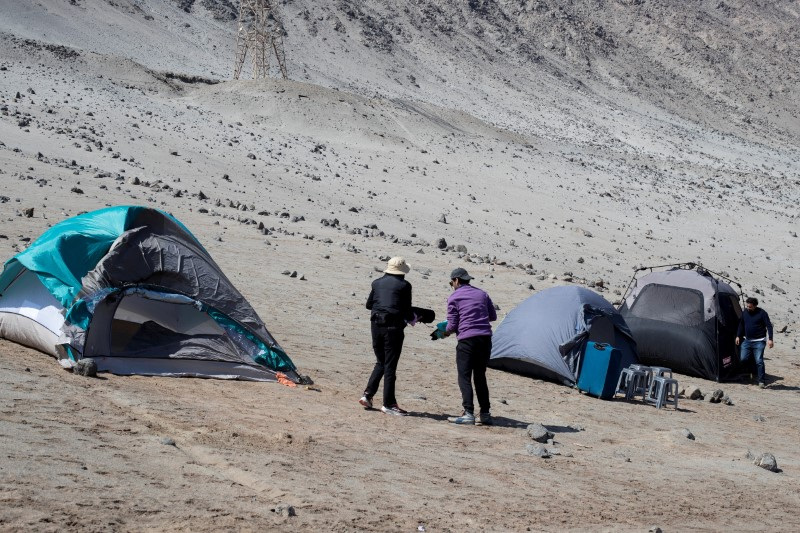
[(676, 305)]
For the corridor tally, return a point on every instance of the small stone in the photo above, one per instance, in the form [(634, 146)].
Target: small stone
[(441, 243), (759, 418), (688, 434), (580, 260), (537, 450), (727, 400), (167, 441), (654, 529), (85, 367), (293, 274), (28, 212), (76, 190), (285, 510), (767, 462), (539, 433), (716, 396), (693, 393), (134, 181), (443, 219)]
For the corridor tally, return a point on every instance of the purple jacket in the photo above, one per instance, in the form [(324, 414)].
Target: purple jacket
[(469, 311)]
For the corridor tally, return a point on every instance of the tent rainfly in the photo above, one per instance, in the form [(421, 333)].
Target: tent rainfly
[(545, 336), (132, 288)]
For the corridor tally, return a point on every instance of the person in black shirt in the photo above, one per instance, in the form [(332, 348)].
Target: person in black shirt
[(756, 329), (390, 303)]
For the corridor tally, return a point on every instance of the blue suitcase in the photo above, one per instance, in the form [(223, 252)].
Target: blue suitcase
[(600, 370)]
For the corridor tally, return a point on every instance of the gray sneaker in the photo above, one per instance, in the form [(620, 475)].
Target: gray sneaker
[(762, 385), (484, 419), (465, 418)]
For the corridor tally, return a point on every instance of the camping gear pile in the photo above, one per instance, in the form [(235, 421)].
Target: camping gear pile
[(132, 288)]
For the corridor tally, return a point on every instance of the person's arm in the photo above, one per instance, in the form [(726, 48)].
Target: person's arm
[(767, 321), (492, 311), (452, 317), (371, 299)]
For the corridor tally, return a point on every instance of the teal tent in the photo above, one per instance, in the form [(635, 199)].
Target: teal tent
[(133, 289)]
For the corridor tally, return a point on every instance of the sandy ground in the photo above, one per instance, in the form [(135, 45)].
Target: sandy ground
[(533, 172)]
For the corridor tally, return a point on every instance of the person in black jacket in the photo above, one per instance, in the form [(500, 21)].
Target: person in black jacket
[(390, 303), (756, 329)]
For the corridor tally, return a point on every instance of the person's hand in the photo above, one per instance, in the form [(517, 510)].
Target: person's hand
[(737, 341), (770, 344), (446, 334)]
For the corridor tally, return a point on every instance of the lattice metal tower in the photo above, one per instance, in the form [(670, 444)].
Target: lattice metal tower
[(261, 35)]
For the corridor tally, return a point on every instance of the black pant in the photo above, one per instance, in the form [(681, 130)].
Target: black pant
[(387, 341), (472, 356)]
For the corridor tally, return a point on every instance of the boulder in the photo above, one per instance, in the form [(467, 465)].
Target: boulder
[(537, 450), (285, 510), (85, 367), (767, 462), (693, 393), (716, 396), (539, 433)]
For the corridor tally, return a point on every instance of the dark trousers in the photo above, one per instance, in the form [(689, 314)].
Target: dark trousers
[(472, 356), (387, 341)]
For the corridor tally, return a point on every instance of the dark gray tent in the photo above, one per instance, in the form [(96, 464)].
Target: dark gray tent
[(684, 318), (545, 335)]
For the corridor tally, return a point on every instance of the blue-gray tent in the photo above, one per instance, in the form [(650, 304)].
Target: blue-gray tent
[(545, 336), (133, 289)]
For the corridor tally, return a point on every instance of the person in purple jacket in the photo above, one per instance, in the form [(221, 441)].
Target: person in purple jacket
[(469, 311)]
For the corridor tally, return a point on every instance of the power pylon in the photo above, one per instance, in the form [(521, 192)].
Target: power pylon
[(260, 34)]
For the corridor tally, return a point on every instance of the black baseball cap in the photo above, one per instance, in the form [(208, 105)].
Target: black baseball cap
[(460, 273)]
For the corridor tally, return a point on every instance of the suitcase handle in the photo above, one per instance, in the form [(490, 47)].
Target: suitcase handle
[(601, 346)]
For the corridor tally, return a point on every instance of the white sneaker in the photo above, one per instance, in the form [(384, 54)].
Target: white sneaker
[(366, 402)]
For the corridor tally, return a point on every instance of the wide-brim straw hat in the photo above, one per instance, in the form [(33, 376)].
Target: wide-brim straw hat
[(397, 266)]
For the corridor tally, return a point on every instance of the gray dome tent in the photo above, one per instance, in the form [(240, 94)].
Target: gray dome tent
[(546, 334), (685, 318)]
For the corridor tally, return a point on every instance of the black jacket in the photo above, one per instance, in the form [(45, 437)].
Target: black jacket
[(390, 301)]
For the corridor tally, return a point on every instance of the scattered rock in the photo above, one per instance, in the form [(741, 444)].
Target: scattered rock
[(688, 434), (85, 367), (727, 400), (654, 529), (76, 190), (251, 155), (167, 441), (28, 212), (443, 219), (537, 450), (767, 462), (539, 433), (693, 393), (777, 289), (285, 510), (293, 274), (759, 418), (441, 243), (716, 396)]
